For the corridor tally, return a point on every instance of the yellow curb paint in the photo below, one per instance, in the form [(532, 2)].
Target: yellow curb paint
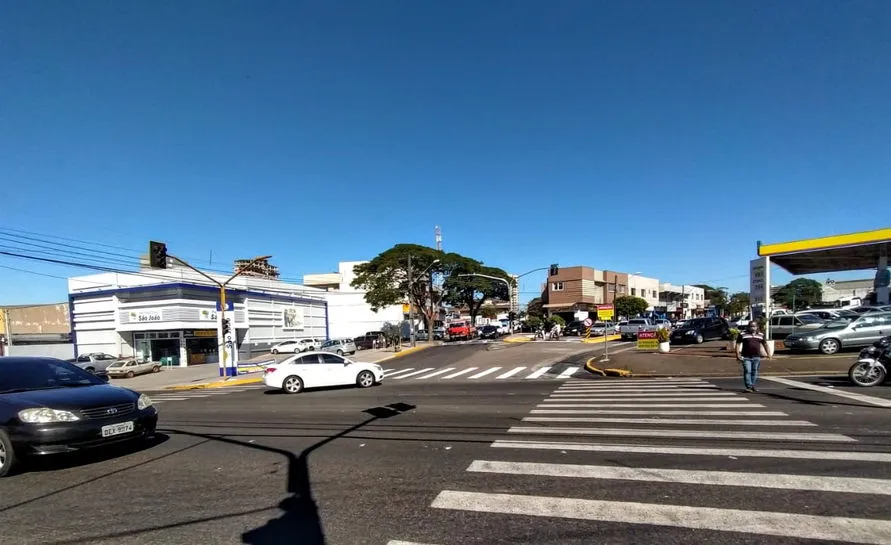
[(217, 384), (518, 340), (601, 340), (590, 368), (405, 352)]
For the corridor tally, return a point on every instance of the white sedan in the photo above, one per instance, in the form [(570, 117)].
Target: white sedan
[(319, 369)]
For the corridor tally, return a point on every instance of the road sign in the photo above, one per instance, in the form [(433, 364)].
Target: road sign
[(646, 340), (605, 312), (588, 322), (230, 306)]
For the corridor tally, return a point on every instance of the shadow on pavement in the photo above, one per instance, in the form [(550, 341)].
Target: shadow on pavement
[(300, 522)]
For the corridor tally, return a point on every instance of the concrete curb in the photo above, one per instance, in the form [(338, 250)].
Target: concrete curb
[(518, 340), (606, 372), (404, 352), (217, 384), (601, 340)]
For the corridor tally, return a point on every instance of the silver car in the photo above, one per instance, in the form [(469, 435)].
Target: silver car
[(782, 326), (339, 346), (132, 368), (835, 335)]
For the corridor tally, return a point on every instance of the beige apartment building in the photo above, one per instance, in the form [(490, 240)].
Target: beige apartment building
[(578, 289)]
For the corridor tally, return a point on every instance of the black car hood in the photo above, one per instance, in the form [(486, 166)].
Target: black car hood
[(81, 397), (684, 330)]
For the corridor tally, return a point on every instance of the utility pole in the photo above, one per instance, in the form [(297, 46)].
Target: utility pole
[(411, 306)]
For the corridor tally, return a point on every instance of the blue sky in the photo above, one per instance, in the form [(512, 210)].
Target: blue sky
[(660, 137)]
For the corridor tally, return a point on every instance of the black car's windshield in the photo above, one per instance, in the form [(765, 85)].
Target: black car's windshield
[(694, 323), (18, 375)]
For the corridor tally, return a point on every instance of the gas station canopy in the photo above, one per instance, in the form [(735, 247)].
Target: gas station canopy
[(855, 251)]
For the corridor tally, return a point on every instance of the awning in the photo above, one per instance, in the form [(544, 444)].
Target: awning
[(850, 252)]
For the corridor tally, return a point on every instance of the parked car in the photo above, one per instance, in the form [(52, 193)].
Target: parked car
[(574, 328), (603, 328), (833, 336), (131, 368), (782, 326), (339, 346), (50, 406), (296, 345), (382, 340), (821, 313), (633, 327), (365, 342), (320, 369), (489, 332), (94, 362), (699, 330)]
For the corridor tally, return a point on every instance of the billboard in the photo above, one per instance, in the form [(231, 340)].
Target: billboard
[(759, 281)]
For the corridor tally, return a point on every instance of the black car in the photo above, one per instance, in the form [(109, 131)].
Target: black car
[(699, 330), (574, 328), (489, 332), (49, 406)]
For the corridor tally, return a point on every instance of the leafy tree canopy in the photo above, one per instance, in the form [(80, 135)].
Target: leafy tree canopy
[(739, 303), (630, 306), (471, 291), (489, 311), (800, 293)]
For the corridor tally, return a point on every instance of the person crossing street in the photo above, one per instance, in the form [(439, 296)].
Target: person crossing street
[(748, 352)]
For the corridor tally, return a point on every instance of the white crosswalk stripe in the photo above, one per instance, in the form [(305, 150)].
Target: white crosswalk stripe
[(160, 398), (510, 373), (539, 373), (413, 373), (667, 425), (484, 373)]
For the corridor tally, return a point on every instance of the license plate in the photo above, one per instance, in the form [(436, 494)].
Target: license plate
[(117, 429)]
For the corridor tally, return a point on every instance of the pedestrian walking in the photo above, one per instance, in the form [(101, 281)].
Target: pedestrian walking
[(748, 352)]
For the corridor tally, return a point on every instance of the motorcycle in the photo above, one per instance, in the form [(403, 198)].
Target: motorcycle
[(871, 368)]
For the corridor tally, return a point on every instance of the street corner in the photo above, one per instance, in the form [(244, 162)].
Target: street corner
[(405, 352), (218, 383), (601, 340)]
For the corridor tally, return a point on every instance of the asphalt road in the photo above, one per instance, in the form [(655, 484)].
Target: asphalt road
[(453, 463)]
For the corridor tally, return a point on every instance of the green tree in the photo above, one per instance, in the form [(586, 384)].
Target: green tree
[(630, 306), (715, 296), (534, 307), (392, 333), (385, 278), (533, 322), (739, 303), (555, 319), (800, 293), (489, 311), (471, 291)]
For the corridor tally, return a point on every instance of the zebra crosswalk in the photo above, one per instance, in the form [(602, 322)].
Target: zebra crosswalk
[(549, 372), (665, 434)]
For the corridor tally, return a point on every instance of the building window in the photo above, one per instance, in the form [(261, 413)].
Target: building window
[(557, 286), (633, 291)]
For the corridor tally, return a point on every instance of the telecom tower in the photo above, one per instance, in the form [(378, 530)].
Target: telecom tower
[(438, 234)]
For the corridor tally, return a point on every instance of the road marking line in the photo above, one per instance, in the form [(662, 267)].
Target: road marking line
[(413, 373), (568, 372), (601, 383), (580, 405), (699, 451), (484, 373), (398, 542), (817, 483), (685, 421), (660, 413), (539, 373), (642, 399), (510, 373), (685, 388), (436, 373), (877, 401), (389, 375), (462, 372), (639, 381), (842, 529), (708, 434), (643, 394)]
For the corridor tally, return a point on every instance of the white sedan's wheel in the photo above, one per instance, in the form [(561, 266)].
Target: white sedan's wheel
[(365, 379), (292, 385), (275, 350), (7, 455)]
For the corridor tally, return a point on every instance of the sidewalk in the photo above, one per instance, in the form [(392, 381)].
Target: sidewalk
[(719, 363)]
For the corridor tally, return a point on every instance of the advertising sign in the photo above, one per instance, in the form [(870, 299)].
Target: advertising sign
[(605, 312), (759, 281), (646, 340), (205, 315), (143, 316), (293, 319)]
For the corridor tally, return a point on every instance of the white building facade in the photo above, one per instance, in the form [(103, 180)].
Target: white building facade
[(173, 315), (348, 313), (645, 288), (683, 301)]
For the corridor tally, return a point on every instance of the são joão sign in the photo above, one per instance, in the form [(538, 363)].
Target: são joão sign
[(646, 340)]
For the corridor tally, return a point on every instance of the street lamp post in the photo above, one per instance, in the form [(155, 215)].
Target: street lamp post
[(225, 343), (411, 305)]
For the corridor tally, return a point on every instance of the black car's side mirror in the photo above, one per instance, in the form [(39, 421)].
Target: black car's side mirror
[(104, 378)]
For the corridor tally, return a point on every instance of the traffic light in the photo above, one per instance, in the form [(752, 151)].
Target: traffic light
[(553, 270), (226, 327), (512, 316), (157, 255)]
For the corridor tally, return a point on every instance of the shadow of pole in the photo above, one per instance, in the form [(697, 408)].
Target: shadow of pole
[(300, 522)]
